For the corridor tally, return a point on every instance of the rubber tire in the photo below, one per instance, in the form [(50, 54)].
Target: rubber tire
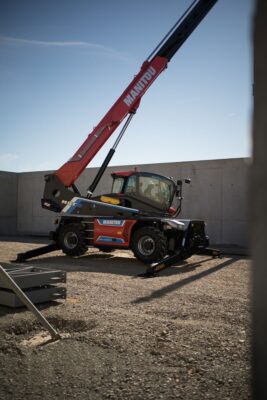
[(78, 232), (159, 240)]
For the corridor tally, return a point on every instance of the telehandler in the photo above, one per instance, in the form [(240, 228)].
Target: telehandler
[(138, 213)]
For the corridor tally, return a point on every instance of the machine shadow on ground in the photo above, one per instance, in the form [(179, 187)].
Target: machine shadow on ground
[(109, 263), (177, 285)]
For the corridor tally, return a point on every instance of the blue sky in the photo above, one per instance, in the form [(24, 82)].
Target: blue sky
[(64, 63)]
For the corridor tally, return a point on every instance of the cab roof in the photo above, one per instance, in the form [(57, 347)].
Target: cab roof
[(123, 173)]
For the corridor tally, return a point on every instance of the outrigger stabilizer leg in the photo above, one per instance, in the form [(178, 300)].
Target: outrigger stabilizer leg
[(22, 257), (167, 262)]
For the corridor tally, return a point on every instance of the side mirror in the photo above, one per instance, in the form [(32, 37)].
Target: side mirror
[(179, 186)]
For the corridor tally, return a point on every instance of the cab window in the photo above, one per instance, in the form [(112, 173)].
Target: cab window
[(156, 189), (131, 185), (117, 185)]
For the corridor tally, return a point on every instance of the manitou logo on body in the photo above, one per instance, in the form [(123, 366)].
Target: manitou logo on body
[(139, 87)]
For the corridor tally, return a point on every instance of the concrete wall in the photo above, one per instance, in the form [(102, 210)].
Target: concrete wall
[(217, 194), (8, 203), (31, 218)]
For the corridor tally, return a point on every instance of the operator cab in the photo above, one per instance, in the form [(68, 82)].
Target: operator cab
[(143, 190)]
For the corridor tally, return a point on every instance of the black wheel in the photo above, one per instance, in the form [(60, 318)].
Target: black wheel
[(71, 238), (149, 244)]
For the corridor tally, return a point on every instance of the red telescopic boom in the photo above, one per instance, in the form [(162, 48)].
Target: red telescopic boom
[(129, 101)]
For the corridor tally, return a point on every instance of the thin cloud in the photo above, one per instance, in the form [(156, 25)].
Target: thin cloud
[(61, 43), (57, 43)]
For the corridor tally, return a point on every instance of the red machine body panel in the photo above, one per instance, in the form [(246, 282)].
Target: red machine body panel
[(112, 232)]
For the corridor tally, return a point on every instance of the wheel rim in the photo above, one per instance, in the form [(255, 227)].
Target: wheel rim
[(71, 240), (146, 245)]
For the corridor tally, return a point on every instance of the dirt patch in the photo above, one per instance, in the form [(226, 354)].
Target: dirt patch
[(41, 339), (184, 334)]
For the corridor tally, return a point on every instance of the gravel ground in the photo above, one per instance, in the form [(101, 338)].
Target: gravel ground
[(182, 335)]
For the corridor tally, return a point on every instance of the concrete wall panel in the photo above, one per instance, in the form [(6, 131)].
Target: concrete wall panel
[(8, 203), (235, 232), (234, 192)]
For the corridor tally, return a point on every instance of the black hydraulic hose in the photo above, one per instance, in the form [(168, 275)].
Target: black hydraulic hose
[(109, 156), (100, 172)]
